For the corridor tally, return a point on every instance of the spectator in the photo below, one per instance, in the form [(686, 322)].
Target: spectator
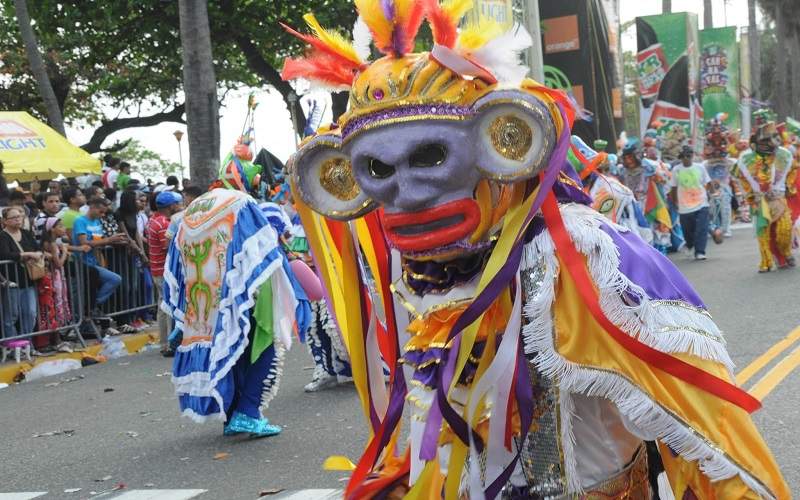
[(186, 184), (74, 199), (141, 215), (88, 230), (49, 205), (111, 194), (690, 182), (172, 181), (17, 199), (54, 308), (190, 194), (19, 245), (55, 187), (109, 179), (127, 217), (167, 204), (124, 177), (4, 193)]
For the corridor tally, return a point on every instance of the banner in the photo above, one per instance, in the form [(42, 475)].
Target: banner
[(500, 11), (581, 56), (668, 68), (719, 74)]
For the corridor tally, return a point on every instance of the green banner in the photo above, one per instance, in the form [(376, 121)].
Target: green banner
[(719, 74)]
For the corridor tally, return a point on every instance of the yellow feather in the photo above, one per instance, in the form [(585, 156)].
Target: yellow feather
[(456, 9), (333, 39), (381, 28), (403, 8), (476, 35)]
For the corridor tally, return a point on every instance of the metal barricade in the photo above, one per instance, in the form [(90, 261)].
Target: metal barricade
[(134, 294), (21, 316)]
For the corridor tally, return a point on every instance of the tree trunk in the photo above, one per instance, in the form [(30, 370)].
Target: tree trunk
[(666, 6), (54, 117), (708, 15), (200, 87), (780, 94), (755, 51)]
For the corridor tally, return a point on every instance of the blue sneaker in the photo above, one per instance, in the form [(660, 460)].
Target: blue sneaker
[(256, 427)]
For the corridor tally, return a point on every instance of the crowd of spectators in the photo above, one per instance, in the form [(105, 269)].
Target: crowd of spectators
[(112, 228)]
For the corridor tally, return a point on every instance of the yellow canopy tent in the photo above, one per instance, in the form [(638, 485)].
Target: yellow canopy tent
[(29, 149)]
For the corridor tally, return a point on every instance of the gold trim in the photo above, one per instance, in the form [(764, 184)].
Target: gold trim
[(682, 304), (699, 331)]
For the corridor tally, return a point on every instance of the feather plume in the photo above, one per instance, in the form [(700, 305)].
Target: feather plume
[(374, 16), (444, 18), (321, 69), (362, 39), (408, 18), (500, 55), (333, 40)]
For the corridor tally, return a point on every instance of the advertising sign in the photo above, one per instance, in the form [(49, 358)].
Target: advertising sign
[(719, 74), (580, 41), (668, 69), (500, 11)]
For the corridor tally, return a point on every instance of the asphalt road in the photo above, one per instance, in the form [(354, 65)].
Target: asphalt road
[(133, 434)]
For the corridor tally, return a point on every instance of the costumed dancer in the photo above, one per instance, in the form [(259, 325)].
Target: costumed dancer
[(736, 146), (331, 361), (636, 174), (672, 141), (763, 170), (235, 303), (718, 166), (545, 343), (655, 204)]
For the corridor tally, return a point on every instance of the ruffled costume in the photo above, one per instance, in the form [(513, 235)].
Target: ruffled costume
[(538, 353)]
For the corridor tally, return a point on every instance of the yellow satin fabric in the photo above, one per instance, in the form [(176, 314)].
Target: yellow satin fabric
[(724, 426)]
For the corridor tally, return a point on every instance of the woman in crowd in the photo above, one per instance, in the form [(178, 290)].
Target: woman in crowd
[(19, 245), (127, 217)]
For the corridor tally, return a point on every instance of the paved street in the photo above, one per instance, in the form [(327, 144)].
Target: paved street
[(133, 435)]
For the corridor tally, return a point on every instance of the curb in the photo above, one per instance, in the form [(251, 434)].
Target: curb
[(133, 343)]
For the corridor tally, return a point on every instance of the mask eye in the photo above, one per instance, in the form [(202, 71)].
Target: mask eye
[(430, 155), (380, 170)]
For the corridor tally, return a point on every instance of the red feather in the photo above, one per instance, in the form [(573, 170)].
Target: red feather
[(319, 45), (320, 67), (444, 29), (410, 27)]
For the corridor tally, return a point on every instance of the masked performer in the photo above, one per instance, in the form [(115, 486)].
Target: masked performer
[(718, 167), (228, 285), (544, 343), (763, 171)]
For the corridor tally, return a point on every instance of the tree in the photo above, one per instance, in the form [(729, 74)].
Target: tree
[(708, 15), (37, 67), (200, 87), (115, 65), (147, 163), (666, 6)]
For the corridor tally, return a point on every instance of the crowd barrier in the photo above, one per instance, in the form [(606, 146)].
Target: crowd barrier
[(133, 298)]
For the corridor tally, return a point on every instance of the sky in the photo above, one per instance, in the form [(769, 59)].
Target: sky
[(273, 121)]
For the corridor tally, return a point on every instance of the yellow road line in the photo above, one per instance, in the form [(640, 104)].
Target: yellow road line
[(763, 360), (775, 376)]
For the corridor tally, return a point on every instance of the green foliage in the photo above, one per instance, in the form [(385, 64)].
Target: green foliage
[(126, 56), (147, 163)]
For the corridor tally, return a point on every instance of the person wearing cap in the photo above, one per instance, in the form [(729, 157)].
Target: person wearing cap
[(167, 204), (690, 184), (88, 230)]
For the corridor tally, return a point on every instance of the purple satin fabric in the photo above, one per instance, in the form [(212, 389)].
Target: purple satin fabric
[(648, 268)]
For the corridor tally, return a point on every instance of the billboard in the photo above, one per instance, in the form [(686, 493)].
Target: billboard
[(580, 45), (500, 11), (667, 62), (719, 74)]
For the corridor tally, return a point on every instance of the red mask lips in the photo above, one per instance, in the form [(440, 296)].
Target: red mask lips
[(431, 228)]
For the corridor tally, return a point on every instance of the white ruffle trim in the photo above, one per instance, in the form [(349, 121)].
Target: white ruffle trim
[(273, 380), (669, 326), (633, 403)]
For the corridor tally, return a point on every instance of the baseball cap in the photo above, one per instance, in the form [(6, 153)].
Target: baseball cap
[(168, 198)]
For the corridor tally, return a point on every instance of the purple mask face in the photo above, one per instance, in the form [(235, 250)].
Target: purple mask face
[(410, 167)]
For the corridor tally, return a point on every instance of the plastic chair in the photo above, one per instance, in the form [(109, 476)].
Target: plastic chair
[(19, 347)]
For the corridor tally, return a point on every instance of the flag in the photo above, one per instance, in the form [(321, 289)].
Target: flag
[(655, 209)]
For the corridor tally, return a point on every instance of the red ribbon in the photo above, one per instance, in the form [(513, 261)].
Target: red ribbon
[(576, 265)]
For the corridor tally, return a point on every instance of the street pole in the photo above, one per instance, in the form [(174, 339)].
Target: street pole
[(178, 136), (533, 25)]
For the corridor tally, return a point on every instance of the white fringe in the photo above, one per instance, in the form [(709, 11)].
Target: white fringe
[(633, 403), (273, 380), (668, 326), (201, 419)]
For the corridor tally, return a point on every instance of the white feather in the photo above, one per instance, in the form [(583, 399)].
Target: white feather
[(501, 56), (362, 39)]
